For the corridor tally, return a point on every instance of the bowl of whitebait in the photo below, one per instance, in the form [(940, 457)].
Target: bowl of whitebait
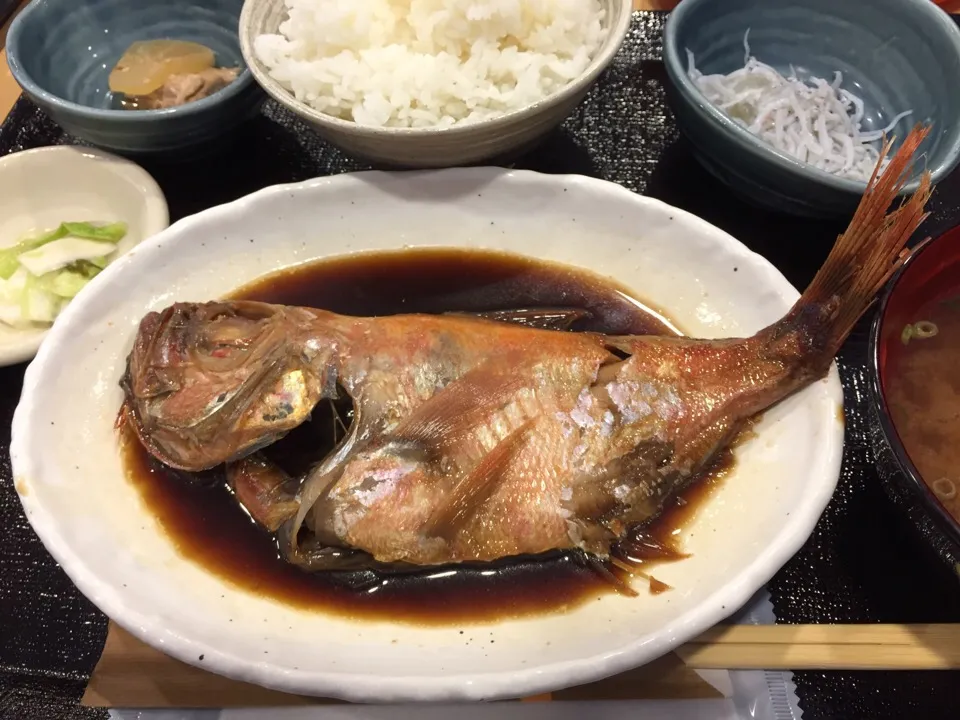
[(787, 102)]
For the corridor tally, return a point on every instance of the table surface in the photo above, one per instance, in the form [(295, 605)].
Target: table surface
[(10, 91)]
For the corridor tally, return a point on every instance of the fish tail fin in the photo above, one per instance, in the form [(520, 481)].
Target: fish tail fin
[(872, 247)]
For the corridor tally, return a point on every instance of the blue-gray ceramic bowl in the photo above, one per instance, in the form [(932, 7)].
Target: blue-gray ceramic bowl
[(62, 51), (895, 54)]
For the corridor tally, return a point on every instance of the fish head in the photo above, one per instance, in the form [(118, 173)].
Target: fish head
[(208, 383)]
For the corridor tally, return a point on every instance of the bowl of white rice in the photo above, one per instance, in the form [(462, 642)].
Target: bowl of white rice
[(431, 83)]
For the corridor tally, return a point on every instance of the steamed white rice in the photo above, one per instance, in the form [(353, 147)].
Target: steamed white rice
[(424, 63)]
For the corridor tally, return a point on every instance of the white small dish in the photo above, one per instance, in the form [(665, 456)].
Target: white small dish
[(41, 188), (69, 475)]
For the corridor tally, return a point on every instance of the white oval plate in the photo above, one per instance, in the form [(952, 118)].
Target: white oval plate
[(41, 188), (72, 485)]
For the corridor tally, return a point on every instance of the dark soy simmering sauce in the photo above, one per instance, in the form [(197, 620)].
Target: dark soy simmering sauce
[(211, 529)]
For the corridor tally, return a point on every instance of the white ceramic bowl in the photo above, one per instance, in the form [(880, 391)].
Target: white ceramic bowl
[(74, 492), (39, 189), (434, 147)]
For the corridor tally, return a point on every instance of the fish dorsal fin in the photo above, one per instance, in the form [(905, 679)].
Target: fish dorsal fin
[(474, 488), (469, 400)]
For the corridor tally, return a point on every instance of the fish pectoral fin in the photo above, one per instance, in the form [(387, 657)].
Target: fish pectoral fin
[(476, 487), (438, 423), (540, 318), (364, 569), (314, 556), (264, 490)]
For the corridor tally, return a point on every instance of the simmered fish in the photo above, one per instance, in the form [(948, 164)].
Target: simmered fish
[(475, 439)]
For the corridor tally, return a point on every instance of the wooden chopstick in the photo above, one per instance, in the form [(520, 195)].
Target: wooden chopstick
[(826, 647)]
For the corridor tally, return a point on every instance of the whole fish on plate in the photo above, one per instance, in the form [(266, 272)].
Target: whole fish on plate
[(475, 439)]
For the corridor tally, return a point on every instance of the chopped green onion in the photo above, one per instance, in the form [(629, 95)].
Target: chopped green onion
[(944, 488), (921, 330), (925, 329)]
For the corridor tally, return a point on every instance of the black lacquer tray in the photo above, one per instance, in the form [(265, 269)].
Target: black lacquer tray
[(864, 563)]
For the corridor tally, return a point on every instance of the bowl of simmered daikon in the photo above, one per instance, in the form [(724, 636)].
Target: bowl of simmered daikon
[(787, 103), (135, 78), (915, 386)]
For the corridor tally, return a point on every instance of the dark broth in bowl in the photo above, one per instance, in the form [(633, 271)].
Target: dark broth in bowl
[(208, 526), (921, 383)]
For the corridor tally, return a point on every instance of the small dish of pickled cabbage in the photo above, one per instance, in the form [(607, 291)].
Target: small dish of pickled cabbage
[(66, 214)]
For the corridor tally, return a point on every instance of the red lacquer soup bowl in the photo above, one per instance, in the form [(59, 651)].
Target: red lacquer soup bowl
[(915, 383)]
